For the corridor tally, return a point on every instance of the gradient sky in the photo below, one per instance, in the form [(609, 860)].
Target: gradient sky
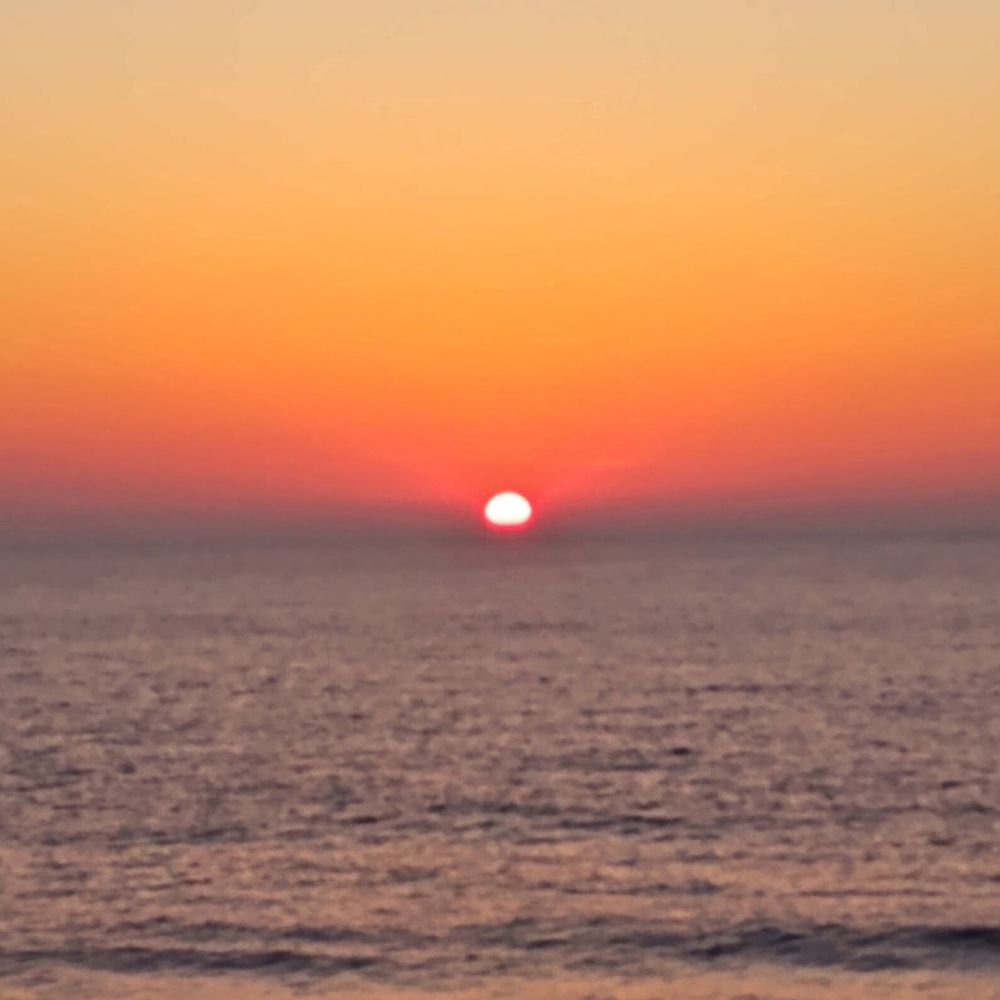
[(292, 254)]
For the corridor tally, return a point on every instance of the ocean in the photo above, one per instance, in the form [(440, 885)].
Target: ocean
[(613, 768)]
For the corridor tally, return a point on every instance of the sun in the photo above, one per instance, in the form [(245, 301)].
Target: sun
[(507, 510)]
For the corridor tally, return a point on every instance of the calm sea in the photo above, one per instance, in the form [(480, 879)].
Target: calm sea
[(501, 767)]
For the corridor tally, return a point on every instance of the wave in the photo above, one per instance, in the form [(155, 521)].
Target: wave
[(184, 960), (598, 944)]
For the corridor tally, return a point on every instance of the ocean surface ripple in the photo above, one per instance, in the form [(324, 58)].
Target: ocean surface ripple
[(434, 764)]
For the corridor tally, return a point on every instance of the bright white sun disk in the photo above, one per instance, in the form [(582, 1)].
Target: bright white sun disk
[(508, 510)]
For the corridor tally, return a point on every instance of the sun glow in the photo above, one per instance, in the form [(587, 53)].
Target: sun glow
[(507, 510)]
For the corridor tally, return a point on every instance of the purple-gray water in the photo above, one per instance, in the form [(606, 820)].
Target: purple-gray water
[(483, 764)]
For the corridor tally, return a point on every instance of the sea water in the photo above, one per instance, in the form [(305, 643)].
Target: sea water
[(514, 766)]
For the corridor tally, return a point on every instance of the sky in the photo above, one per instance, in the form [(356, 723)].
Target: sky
[(300, 256)]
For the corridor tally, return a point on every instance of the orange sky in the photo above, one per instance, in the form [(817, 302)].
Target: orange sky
[(290, 255)]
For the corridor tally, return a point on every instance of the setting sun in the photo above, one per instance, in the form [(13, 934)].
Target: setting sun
[(507, 510)]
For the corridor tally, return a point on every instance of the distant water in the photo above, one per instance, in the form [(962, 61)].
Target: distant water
[(505, 767)]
